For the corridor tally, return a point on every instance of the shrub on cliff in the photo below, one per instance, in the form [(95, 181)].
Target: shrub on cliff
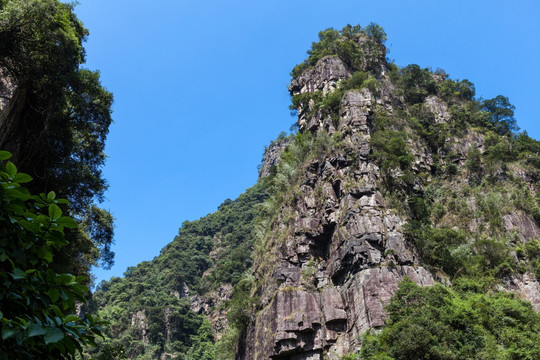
[(344, 44), (437, 322)]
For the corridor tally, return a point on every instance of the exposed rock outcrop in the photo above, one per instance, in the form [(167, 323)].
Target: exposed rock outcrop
[(341, 258), (324, 76), (272, 154)]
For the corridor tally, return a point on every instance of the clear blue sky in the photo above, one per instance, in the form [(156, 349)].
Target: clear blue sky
[(201, 87)]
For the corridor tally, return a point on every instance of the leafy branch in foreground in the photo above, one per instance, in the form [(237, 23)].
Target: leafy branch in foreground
[(37, 304)]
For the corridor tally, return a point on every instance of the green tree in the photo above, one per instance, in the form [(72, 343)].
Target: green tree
[(501, 114), (37, 304), (203, 347), (416, 83), (56, 119), (376, 32)]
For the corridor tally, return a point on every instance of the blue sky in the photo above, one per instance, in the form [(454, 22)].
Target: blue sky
[(201, 87)]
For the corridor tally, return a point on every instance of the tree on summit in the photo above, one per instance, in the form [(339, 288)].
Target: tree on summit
[(501, 114)]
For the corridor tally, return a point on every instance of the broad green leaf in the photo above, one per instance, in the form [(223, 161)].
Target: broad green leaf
[(45, 254), (54, 294), (49, 320), (71, 318), (51, 195), (67, 221), (18, 274), (35, 330), (53, 335), (4, 155), (42, 220), (58, 313), (80, 288), (7, 332), (19, 193), (22, 178), (54, 211), (29, 225), (56, 238), (11, 169), (65, 278), (1, 314)]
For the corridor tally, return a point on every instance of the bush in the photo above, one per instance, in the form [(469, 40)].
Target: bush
[(438, 247), (473, 164), (343, 44), (416, 84), (439, 323), (38, 305), (450, 90), (356, 81)]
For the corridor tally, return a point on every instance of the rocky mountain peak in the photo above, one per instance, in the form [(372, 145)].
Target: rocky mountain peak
[(338, 245)]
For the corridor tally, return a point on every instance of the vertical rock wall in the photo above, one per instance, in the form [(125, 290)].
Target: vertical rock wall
[(341, 259)]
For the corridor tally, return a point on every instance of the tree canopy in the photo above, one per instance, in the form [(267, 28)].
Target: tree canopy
[(56, 119)]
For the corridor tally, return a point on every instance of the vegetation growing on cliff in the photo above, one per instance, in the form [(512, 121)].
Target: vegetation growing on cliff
[(442, 323), (456, 198), (357, 47), (458, 203)]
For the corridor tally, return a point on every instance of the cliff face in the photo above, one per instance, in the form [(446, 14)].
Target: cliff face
[(337, 247), (342, 258)]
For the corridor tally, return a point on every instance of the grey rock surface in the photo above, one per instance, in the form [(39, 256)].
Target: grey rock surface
[(345, 252)]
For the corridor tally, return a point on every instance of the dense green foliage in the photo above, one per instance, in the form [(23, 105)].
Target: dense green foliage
[(445, 324), (205, 254), (57, 119), (359, 48), (37, 304)]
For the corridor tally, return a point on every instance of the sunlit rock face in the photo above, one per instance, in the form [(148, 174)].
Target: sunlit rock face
[(346, 252)]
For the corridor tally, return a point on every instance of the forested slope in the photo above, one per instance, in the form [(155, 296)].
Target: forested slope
[(157, 307)]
